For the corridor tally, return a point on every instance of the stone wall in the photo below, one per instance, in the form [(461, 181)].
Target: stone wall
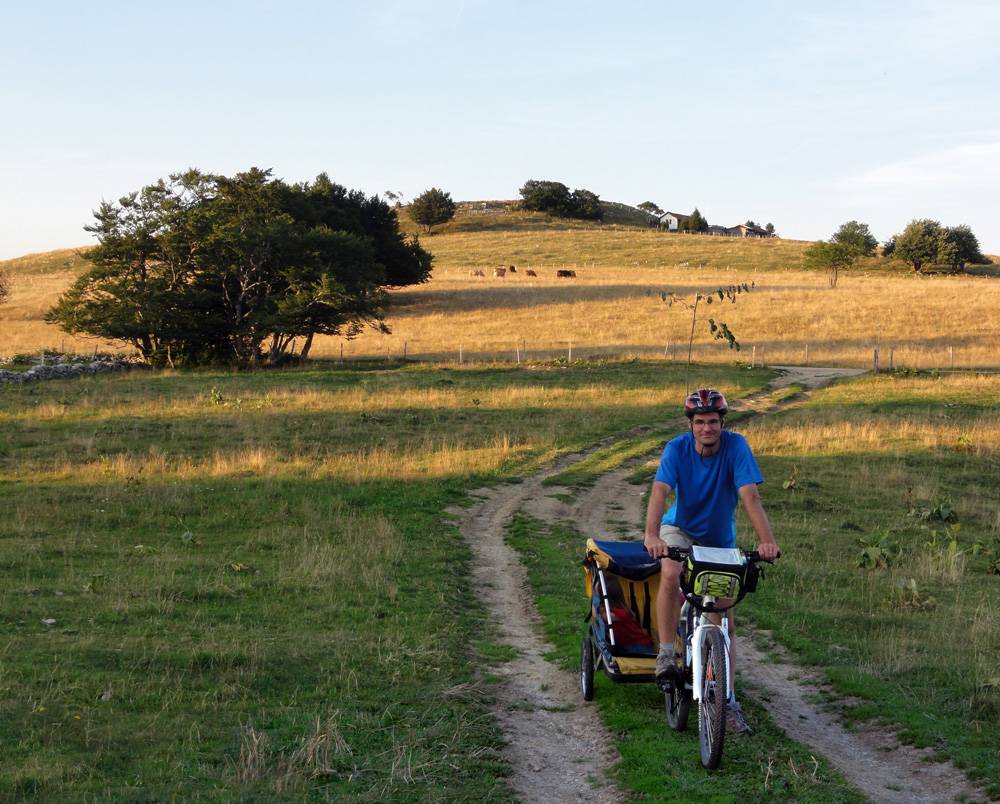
[(57, 371)]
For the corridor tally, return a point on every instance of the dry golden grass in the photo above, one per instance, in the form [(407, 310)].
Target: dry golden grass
[(618, 310), (614, 307)]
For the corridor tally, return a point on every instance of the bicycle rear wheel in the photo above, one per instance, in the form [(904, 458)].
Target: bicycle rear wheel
[(677, 701), (714, 685)]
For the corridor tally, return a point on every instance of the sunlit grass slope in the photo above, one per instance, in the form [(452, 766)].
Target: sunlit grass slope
[(245, 586), (614, 305)]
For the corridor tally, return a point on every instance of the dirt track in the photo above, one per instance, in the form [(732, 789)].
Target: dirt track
[(555, 741)]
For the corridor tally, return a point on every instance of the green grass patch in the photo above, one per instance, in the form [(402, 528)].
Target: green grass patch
[(904, 468), (226, 586), (658, 763), (598, 463)]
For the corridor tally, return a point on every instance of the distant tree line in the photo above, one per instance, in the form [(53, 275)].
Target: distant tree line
[(556, 199), (213, 269), (4, 287), (923, 242)]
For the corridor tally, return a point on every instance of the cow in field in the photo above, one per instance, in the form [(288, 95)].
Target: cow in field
[(499, 271), (476, 272), (566, 274), (529, 272), (512, 269)]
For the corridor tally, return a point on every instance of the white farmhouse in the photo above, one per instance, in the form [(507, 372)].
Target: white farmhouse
[(671, 220)]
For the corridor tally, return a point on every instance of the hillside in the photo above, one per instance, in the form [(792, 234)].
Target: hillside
[(614, 305)]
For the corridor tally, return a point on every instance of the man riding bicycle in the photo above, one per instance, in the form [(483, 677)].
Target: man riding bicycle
[(710, 470)]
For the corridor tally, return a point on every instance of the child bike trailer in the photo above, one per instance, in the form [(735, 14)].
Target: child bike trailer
[(621, 585)]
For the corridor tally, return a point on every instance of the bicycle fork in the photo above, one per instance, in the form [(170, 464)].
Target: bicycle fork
[(697, 660)]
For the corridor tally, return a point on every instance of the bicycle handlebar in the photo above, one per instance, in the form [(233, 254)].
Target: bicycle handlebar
[(680, 553)]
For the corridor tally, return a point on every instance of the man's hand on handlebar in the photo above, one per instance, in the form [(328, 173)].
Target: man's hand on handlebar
[(768, 551), (655, 546)]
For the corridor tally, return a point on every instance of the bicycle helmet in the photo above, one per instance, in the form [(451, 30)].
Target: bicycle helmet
[(705, 400)]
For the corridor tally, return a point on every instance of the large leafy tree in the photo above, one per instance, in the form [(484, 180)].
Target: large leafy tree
[(556, 199), (857, 237), (917, 244), (586, 205), (238, 269), (958, 247), (651, 207), (431, 208)]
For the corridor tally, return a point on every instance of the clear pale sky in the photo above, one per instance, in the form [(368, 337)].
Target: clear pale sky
[(802, 114)]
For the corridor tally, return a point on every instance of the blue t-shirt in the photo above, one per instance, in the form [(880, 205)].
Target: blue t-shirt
[(707, 489)]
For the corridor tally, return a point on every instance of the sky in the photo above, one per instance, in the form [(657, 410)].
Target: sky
[(801, 114)]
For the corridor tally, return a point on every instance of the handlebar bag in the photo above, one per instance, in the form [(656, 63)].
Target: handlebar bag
[(715, 571)]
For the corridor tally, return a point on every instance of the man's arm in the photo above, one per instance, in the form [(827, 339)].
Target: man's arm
[(768, 547), (655, 546)]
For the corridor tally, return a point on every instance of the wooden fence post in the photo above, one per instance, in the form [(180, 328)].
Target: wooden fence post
[(341, 352), (404, 351), (875, 360), (807, 354), (892, 359), (753, 357), (569, 354), (460, 354), (951, 357)]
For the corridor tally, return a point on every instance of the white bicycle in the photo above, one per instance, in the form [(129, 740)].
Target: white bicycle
[(710, 574)]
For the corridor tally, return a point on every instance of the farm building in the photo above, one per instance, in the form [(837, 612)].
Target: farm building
[(745, 230), (672, 220)]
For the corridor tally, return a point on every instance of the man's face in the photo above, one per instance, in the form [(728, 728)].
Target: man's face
[(707, 428)]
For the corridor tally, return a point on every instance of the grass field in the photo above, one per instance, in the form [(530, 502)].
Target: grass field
[(244, 586), (614, 307), (904, 468)]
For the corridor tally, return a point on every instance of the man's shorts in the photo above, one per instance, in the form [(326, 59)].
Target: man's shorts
[(675, 537)]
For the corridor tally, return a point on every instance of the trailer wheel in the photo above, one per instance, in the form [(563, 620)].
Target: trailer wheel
[(587, 669)]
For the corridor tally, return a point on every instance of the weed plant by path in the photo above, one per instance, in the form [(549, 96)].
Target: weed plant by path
[(226, 586)]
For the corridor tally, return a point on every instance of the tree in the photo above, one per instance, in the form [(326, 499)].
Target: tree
[(957, 247), (586, 205), (697, 222), (555, 198), (650, 207), (431, 208), (857, 238), (546, 196), (831, 257), (770, 229), (925, 242), (217, 269), (917, 244)]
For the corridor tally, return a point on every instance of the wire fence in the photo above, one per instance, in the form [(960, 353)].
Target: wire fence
[(878, 357)]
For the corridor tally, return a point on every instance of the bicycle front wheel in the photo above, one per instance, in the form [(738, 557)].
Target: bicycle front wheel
[(714, 685)]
